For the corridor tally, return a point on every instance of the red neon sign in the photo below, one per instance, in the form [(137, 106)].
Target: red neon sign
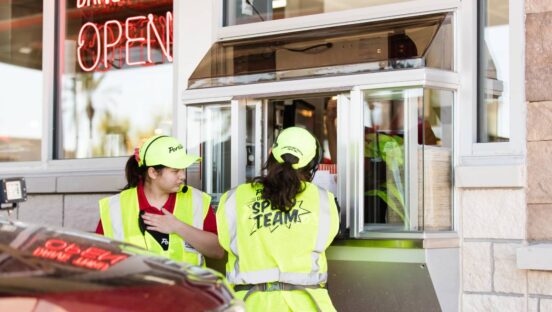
[(134, 42), (87, 3), (70, 253)]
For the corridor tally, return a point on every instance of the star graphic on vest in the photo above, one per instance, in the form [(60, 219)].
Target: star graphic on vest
[(264, 217)]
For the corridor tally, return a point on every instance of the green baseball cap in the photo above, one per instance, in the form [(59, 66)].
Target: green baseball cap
[(297, 142), (167, 151)]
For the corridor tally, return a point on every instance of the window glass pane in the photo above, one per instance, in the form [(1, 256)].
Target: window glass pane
[(385, 132), (493, 71), (251, 11), (22, 79), (209, 137), (115, 82), (413, 42), (434, 154), (408, 159)]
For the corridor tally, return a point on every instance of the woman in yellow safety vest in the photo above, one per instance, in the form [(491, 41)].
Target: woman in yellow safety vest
[(277, 228), (157, 210)]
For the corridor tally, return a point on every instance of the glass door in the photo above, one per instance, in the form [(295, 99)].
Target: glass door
[(404, 180), (254, 138), (209, 136), (229, 138)]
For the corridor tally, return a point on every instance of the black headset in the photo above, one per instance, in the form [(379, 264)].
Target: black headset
[(147, 147)]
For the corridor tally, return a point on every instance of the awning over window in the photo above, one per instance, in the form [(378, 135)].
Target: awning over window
[(414, 42)]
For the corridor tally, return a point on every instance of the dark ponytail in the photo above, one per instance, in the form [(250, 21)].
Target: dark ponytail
[(133, 173), (282, 183)]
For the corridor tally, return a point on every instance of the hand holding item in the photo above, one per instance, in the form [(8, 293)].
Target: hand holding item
[(166, 223)]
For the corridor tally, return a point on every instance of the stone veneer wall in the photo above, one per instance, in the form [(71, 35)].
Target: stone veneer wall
[(538, 92), (72, 211), (495, 222), (493, 227)]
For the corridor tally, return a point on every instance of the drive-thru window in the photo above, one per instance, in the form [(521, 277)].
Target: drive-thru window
[(381, 99)]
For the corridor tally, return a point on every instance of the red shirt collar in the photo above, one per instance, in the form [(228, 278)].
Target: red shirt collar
[(145, 205)]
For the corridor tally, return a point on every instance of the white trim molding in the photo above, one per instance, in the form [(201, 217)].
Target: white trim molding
[(505, 176), (535, 257), (516, 63), (400, 78), (330, 19)]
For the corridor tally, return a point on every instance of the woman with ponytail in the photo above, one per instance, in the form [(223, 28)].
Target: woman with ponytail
[(157, 210), (277, 228)]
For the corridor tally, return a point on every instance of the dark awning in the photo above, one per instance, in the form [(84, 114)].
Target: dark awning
[(414, 42)]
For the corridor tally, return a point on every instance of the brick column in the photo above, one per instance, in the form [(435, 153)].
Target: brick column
[(538, 91)]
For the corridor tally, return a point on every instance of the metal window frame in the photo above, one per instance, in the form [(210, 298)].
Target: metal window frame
[(502, 153), (370, 13), (237, 137), (49, 169), (238, 130), (350, 141), (441, 78), (465, 38), (355, 177)]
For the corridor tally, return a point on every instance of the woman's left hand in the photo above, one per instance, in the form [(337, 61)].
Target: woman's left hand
[(166, 223)]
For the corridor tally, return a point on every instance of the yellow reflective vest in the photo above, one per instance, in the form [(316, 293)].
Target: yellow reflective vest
[(266, 245), (120, 213)]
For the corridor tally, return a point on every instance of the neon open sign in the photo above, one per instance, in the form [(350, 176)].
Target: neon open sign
[(132, 42), (70, 253)]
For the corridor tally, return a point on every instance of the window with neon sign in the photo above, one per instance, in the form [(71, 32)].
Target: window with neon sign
[(115, 76), (22, 80)]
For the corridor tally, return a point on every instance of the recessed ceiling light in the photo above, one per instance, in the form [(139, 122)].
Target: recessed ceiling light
[(276, 4), (25, 50)]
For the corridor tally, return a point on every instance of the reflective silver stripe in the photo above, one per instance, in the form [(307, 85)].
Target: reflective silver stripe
[(197, 205), (323, 229), (116, 217), (264, 276), (231, 217)]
